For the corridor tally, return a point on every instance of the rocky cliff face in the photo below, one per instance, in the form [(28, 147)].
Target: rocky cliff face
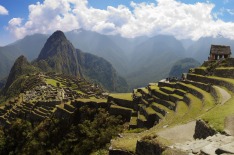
[(60, 55)]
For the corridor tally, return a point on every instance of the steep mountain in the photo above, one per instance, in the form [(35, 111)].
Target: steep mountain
[(99, 70), (199, 50), (153, 59), (18, 73), (5, 65), (59, 55), (100, 45), (29, 46), (183, 66)]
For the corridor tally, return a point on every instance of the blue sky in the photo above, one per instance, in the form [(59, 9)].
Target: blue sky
[(180, 18)]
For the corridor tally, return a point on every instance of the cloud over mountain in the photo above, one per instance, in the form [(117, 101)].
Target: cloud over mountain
[(170, 17)]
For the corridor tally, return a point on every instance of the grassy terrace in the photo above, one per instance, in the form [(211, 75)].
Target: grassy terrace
[(225, 68), (53, 82), (161, 107), (229, 80), (177, 96), (141, 117), (93, 100), (150, 111), (124, 96), (208, 100), (120, 107), (157, 89), (130, 139), (216, 116), (133, 121), (167, 89)]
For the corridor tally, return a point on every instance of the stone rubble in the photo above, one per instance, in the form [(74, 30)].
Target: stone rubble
[(217, 144)]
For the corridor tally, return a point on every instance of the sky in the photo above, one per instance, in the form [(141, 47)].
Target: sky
[(184, 19)]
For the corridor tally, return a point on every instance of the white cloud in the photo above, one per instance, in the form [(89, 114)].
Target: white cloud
[(3, 10), (170, 17), (230, 11)]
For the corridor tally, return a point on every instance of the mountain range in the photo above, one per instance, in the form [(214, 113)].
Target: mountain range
[(139, 60), (59, 55)]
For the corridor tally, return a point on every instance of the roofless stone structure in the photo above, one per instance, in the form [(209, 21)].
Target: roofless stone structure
[(219, 51)]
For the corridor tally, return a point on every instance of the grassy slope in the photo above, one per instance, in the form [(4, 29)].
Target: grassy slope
[(216, 116)]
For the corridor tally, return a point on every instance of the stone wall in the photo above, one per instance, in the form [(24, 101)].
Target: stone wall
[(91, 104), (165, 103), (203, 130), (200, 71), (187, 100), (166, 84), (226, 73), (160, 95), (124, 112), (214, 93), (119, 152), (48, 103), (63, 114), (203, 86), (122, 102), (149, 148), (218, 82), (190, 90), (230, 62)]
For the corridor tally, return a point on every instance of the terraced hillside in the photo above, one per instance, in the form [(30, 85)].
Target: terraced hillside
[(199, 106), (49, 95)]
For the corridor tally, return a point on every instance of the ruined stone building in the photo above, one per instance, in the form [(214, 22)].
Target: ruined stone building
[(219, 51)]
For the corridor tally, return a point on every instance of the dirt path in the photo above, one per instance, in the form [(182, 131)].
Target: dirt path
[(225, 95), (229, 125), (179, 133)]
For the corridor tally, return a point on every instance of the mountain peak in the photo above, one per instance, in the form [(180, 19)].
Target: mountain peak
[(20, 67), (21, 60), (58, 34), (57, 43)]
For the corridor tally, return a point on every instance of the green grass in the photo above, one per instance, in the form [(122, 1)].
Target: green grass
[(142, 117), (93, 100), (177, 96), (150, 111), (216, 116), (208, 100), (120, 107), (161, 107), (225, 68), (124, 96), (133, 121), (53, 82)]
